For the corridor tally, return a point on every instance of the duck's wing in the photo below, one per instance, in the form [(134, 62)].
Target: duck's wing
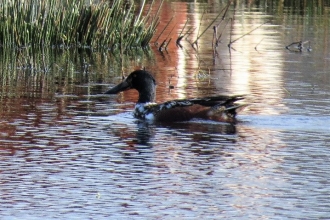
[(205, 101), (215, 107), (213, 102), (217, 100), (222, 107)]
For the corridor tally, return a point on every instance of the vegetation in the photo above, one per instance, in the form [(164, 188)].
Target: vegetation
[(74, 23), (43, 72)]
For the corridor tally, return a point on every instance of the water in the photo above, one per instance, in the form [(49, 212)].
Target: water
[(68, 152)]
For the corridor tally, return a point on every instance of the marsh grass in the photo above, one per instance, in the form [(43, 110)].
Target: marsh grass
[(75, 23), (43, 73)]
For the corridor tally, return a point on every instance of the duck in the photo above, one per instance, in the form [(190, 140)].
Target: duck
[(218, 108)]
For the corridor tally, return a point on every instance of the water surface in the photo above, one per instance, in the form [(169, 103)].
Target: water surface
[(69, 152)]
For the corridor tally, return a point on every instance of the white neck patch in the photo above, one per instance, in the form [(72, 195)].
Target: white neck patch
[(143, 111)]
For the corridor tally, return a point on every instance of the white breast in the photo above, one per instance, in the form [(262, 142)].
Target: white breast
[(142, 110)]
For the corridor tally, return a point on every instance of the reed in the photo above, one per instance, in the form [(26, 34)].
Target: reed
[(74, 23), (46, 72)]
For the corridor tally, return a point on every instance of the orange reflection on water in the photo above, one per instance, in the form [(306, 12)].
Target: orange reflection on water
[(253, 66), (258, 70)]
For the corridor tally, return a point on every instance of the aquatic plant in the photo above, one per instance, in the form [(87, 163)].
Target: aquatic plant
[(68, 23), (29, 72)]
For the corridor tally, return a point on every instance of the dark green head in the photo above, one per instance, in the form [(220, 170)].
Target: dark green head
[(142, 81)]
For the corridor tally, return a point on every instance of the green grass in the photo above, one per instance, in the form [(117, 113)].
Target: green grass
[(75, 23)]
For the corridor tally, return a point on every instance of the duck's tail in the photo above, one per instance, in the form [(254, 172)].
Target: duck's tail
[(233, 110), (225, 113)]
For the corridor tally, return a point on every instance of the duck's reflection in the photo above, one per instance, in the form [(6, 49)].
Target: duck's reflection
[(167, 145), (197, 130), (144, 133), (203, 126)]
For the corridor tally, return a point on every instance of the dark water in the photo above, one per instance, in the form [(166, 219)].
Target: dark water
[(68, 152)]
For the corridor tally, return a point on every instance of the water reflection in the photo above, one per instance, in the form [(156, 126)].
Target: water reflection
[(146, 132), (69, 152)]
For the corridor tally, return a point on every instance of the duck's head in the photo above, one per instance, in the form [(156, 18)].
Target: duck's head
[(142, 81)]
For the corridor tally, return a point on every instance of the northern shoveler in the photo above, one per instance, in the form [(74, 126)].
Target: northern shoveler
[(219, 108)]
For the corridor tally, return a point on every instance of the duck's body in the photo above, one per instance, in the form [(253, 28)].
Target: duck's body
[(219, 108)]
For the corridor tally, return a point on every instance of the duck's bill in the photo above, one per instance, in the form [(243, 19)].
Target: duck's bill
[(118, 88)]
